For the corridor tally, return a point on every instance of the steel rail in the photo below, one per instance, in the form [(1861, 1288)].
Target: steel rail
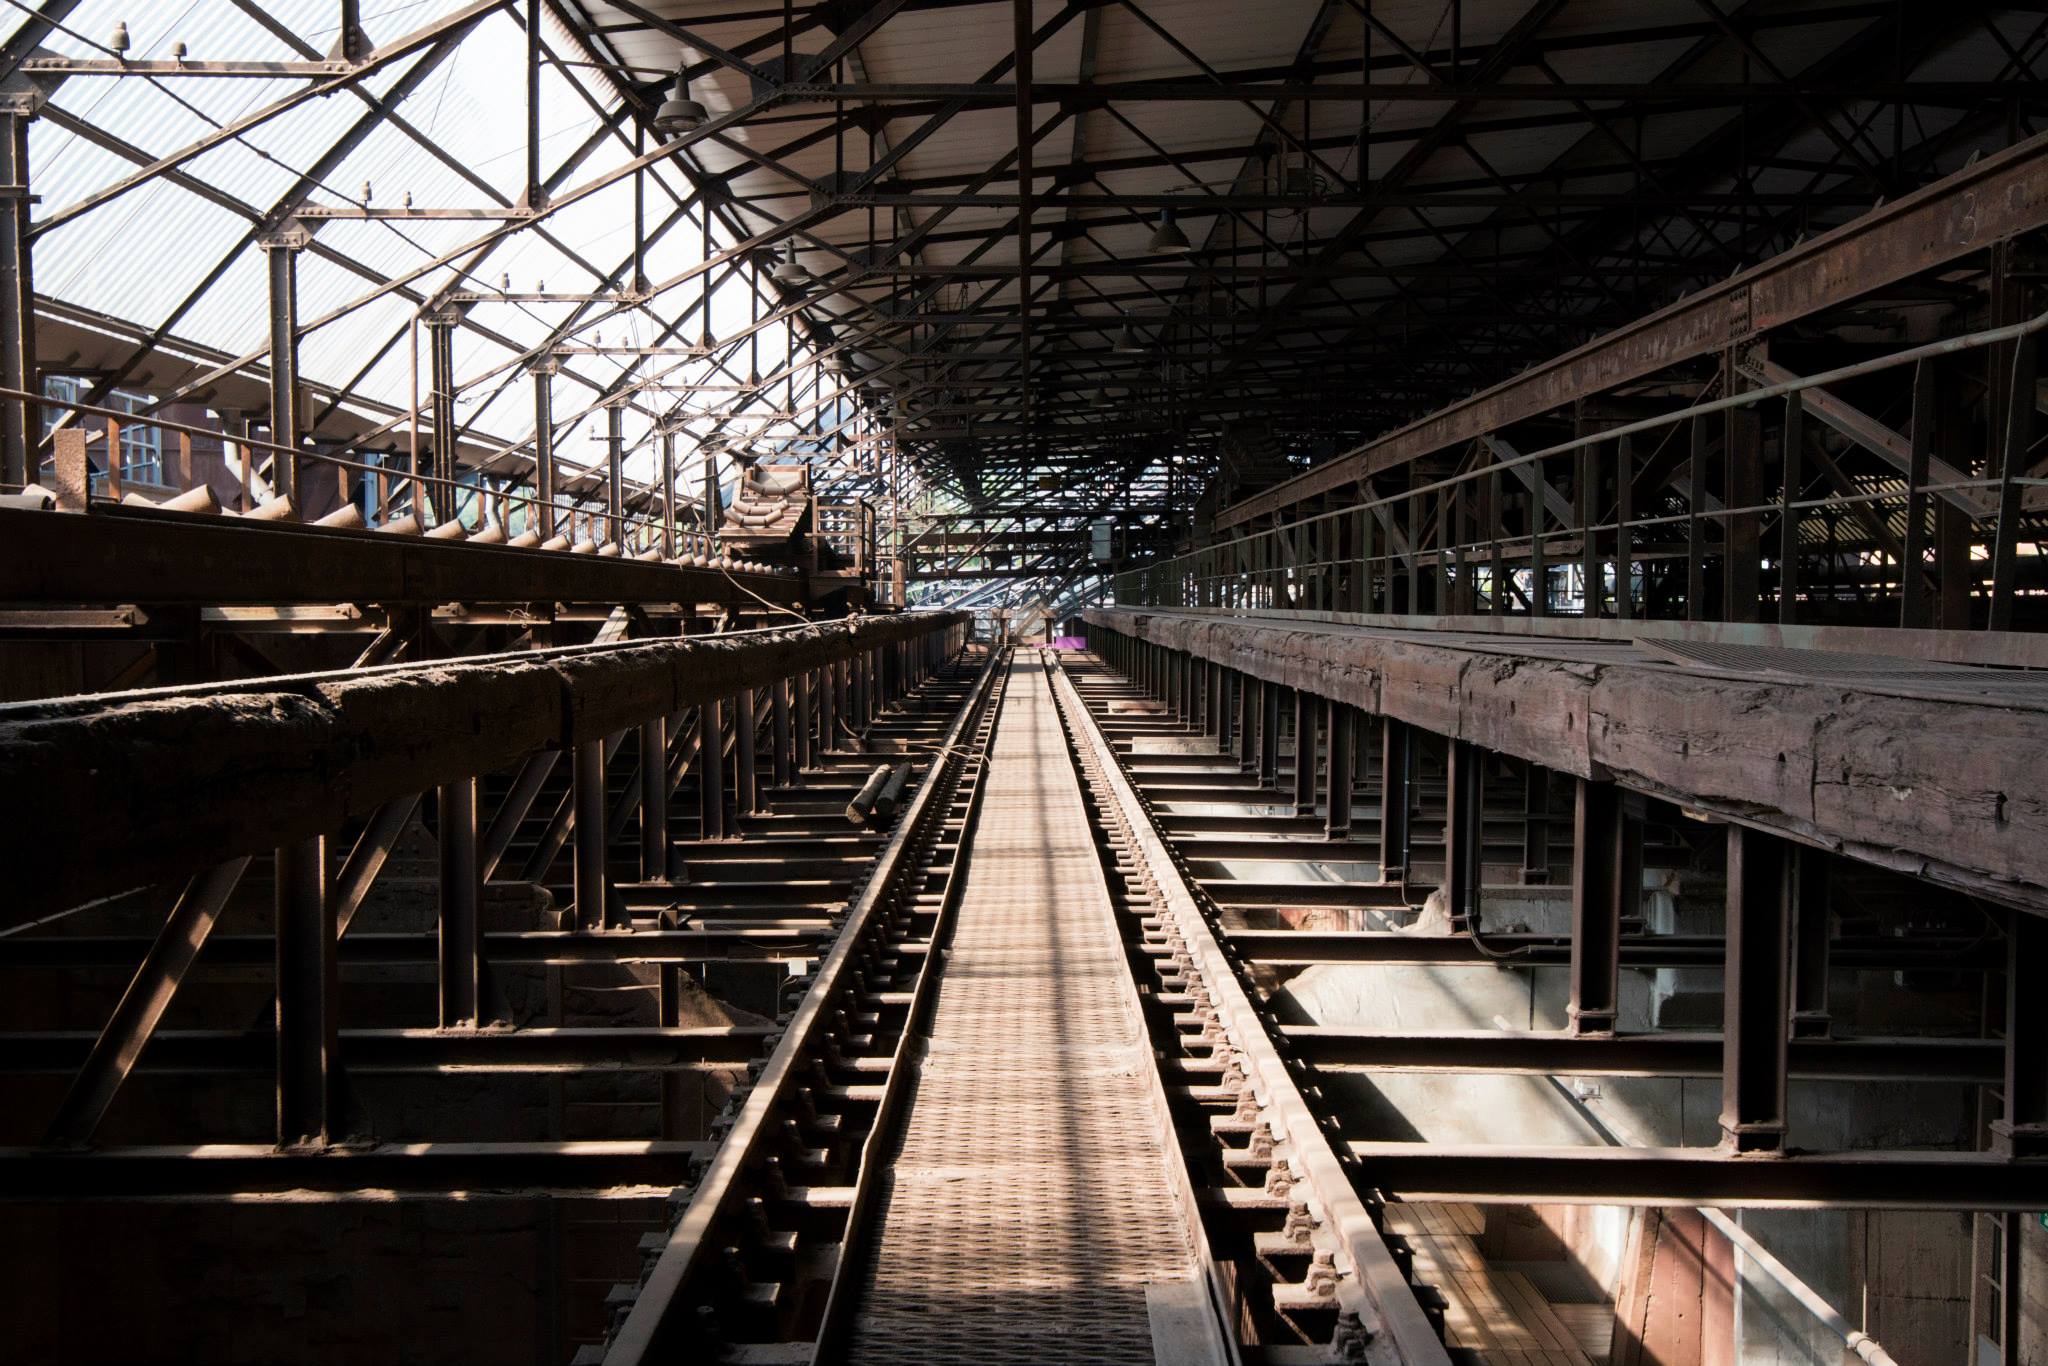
[(857, 1247), (1378, 1290), (651, 1327)]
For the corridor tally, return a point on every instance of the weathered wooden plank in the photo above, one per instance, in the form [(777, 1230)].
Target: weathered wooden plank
[(179, 779), (1943, 789)]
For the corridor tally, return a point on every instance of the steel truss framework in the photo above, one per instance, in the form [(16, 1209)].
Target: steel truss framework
[(1377, 220)]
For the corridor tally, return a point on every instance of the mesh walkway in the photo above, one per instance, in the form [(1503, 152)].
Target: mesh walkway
[(1029, 1204)]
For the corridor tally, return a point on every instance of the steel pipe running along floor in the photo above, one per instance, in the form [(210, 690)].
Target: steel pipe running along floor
[(1029, 1203)]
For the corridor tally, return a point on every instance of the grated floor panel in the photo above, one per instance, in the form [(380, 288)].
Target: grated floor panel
[(1028, 1203)]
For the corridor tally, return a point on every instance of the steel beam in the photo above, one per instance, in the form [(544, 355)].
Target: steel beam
[(1512, 1174), (1963, 1062), (1998, 197), (120, 1045)]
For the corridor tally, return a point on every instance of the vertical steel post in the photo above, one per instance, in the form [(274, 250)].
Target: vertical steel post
[(441, 498), (1811, 914), (1757, 1019), (615, 473), (778, 725), (654, 827), (1696, 523), (1598, 900), (1792, 444), (1913, 594), (543, 523), (1305, 710), (1535, 825), (1269, 734), (461, 926), (1396, 763), (21, 423), (828, 709), (1464, 833), (1337, 775), (281, 255), (589, 875), (2023, 1131), (308, 1076), (806, 756), (2016, 426), (1624, 534), (747, 785), (668, 495), (711, 769)]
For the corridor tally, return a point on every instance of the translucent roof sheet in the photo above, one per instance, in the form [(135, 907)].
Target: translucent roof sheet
[(438, 128)]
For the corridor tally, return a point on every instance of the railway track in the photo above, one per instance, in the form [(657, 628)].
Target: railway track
[(1025, 1111)]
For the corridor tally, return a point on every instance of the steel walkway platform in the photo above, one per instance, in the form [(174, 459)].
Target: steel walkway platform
[(1029, 1204)]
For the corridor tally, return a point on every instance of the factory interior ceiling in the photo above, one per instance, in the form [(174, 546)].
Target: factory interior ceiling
[(1024, 680)]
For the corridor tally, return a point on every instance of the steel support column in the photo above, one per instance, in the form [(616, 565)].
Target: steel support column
[(441, 457), (460, 947), (589, 875), (308, 1077), (782, 757), (1535, 825), (615, 474), (1396, 765), (1305, 709), (654, 827), (804, 738), (1269, 734), (2023, 1131), (747, 783), (711, 770), (1337, 779), (1599, 899), (281, 255), (1811, 914), (1464, 801), (1756, 1020), (21, 428), (543, 522)]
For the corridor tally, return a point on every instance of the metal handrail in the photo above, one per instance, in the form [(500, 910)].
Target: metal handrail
[(1131, 585)]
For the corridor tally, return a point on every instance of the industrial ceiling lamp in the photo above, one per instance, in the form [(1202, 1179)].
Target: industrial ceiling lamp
[(679, 113), (1127, 343), (790, 271), (1168, 239)]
